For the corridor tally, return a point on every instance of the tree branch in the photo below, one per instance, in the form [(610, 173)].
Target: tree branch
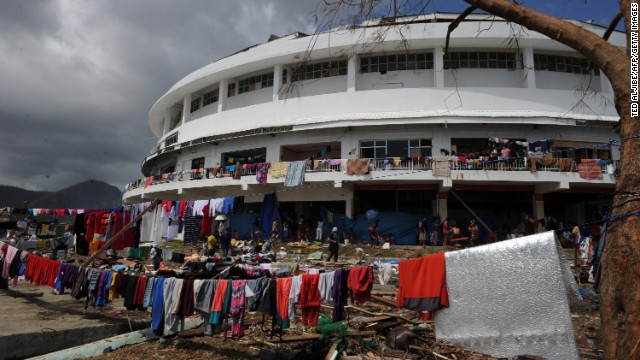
[(454, 24), (612, 26)]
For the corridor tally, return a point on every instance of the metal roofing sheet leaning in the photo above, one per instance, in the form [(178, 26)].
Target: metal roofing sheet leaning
[(510, 298)]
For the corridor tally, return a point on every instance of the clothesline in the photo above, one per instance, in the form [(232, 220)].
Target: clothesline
[(172, 299)]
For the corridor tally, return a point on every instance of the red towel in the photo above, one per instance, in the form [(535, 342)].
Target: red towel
[(309, 291), (423, 284), (360, 282)]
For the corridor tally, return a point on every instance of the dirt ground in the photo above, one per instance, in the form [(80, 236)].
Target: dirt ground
[(585, 317)]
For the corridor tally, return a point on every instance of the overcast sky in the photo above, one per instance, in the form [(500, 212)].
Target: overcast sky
[(78, 78)]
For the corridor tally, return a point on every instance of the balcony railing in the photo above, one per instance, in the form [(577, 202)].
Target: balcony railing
[(389, 164)]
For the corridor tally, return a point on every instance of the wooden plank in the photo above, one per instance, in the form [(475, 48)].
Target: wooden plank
[(374, 319), (382, 292), (332, 350), (385, 300), (120, 233), (376, 314)]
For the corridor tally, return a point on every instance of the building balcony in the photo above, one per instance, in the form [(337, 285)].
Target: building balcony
[(229, 181)]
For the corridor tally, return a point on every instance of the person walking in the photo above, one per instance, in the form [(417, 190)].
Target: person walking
[(334, 248)]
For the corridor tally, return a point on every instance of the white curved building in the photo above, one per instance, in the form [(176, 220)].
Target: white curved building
[(357, 96)]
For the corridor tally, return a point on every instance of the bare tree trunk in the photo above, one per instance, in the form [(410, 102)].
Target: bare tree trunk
[(620, 289)]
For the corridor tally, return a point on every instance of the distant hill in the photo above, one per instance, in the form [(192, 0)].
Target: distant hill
[(90, 194)]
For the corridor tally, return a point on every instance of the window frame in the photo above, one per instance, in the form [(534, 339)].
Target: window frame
[(197, 161), (480, 60), (397, 62)]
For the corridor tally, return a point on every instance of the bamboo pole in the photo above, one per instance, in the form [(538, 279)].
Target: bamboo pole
[(113, 239)]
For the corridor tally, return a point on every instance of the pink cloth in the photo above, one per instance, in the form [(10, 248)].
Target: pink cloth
[(10, 254)]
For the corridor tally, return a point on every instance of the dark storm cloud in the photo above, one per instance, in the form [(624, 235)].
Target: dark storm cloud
[(77, 78)]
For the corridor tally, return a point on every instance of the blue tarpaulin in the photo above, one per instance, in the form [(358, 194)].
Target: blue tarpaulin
[(268, 213), (403, 226), (242, 223)]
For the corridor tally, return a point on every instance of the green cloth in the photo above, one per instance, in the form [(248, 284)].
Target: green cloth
[(315, 256)]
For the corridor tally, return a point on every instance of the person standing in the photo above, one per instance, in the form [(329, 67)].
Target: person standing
[(422, 232), (212, 245), (225, 242), (301, 235), (435, 231), (446, 231), (285, 230), (374, 235), (473, 232), (334, 248), (319, 230), (275, 230)]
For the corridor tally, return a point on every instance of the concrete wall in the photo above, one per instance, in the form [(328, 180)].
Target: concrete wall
[(566, 81), (395, 80), (484, 78), (334, 84), (21, 346), (250, 98)]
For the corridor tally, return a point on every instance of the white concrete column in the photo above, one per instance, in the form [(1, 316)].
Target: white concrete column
[(352, 72), (277, 81), (222, 95), (528, 65), (538, 206), (167, 122), (186, 109), (348, 207), (442, 198), (438, 68)]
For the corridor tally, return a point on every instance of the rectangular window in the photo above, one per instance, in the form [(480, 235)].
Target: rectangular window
[(195, 105), (379, 149), (197, 163), (284, 76), (171, 140), (319, 70), (396, 62), (242, 157), (480, 60), (251, 83), (558, 63), (210, 97), (231, 89)]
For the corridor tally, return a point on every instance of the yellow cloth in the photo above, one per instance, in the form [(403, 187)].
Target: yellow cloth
[(112, 289), (94, 246), (45, 227), (278, 170), (233, 242), (211, 242)]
